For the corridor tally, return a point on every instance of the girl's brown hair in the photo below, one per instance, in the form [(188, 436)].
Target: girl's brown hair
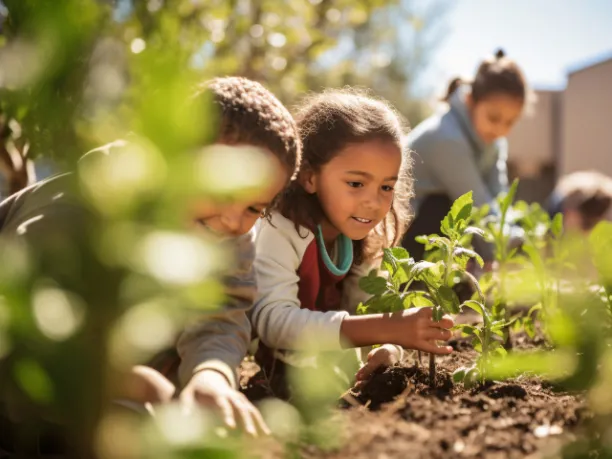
[(328, 123), (495, 75)]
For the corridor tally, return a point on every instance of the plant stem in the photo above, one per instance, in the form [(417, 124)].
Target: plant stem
[(432, 370)]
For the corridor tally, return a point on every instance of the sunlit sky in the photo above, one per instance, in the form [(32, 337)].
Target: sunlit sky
[(547, 38)]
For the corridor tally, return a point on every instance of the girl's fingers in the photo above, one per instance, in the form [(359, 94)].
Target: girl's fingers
[(438, 334), (433, 348), (445, 322)]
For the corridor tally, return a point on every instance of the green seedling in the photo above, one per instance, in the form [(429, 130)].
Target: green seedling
[(391, 291), (486, 340)]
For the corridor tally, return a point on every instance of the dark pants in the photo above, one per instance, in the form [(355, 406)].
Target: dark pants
[(427, 221)]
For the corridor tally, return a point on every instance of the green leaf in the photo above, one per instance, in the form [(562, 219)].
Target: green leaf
[(404, 271), (529, 327), (476, 306), (399, 253), (500, 351), (517, 326), (600, 241), (535, 257), (471, 377), (462, 207), (439, 241), (417, 300), (478, 347), (498, 332), (392, 259), (508, 197), (512, 253), (421, 267), (474, 230), (534, 308), (467, 330), (389, 302), (462, 252), (362, 309), (460, 212), (447, 226), (459, 375), (448, 299), (422, 239), (373, 284), (557, 225)]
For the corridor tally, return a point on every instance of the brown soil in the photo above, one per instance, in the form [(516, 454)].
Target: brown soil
[(397, 415)]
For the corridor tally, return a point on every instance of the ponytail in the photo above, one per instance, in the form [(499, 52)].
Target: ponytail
[(452, 87), (499, 75)]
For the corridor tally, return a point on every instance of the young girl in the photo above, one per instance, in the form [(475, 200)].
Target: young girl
[(464, 147), (328, 229)]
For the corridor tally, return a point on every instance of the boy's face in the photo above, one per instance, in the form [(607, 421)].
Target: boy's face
[(235, 217)]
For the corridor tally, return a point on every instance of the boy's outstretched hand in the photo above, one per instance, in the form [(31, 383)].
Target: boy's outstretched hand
[(210, 388)]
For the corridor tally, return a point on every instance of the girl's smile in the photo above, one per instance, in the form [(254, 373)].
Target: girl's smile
[(355, 188)]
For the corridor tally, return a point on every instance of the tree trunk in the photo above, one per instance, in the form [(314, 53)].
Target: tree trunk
[(17, 170)]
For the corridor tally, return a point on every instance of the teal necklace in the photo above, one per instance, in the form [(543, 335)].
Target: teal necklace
[(345, 253)]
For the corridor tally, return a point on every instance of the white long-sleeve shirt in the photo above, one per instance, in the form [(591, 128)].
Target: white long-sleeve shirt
[(301, 302)]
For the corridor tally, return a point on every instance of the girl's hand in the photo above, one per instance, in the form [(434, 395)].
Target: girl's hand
[(416, 329), (411, 329), (385, 355), (210, 388)]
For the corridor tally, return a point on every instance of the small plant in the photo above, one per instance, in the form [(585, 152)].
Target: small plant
[(496, 231), (521, 264), (484, 342), (391, 292), (600, 242)]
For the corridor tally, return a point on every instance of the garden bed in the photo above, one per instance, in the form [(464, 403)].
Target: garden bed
[(397, 415)]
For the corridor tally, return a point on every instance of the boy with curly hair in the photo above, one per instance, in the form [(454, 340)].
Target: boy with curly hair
[(212, 347)]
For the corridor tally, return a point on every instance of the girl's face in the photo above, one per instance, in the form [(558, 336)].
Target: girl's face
[(355, 188), (494, 116)]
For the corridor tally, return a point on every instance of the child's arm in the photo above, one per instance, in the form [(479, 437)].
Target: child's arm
[(412, 329), (276, 316), (219, 341), (212, 348), (281, 324), (352, 295)]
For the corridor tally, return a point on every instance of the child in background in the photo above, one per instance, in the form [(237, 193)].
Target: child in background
[(212, 348), (328, 230), (464, 147), (584, 198)]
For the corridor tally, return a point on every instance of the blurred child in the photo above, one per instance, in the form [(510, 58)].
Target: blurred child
[(211, 349), (584, 198), (464, 147), (328, 230)]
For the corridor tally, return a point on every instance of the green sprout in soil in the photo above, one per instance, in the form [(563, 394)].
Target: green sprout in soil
[(392, 291)]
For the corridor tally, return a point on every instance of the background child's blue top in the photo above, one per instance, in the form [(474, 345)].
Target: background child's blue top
[(450, 158)]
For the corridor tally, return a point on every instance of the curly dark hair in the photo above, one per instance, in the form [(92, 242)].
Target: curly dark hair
[(252, 115), (329, 122)]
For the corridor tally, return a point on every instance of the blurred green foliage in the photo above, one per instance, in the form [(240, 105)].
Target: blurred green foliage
[(78, 73)]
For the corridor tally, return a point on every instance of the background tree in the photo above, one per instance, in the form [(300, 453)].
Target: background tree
[(74, 73)]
